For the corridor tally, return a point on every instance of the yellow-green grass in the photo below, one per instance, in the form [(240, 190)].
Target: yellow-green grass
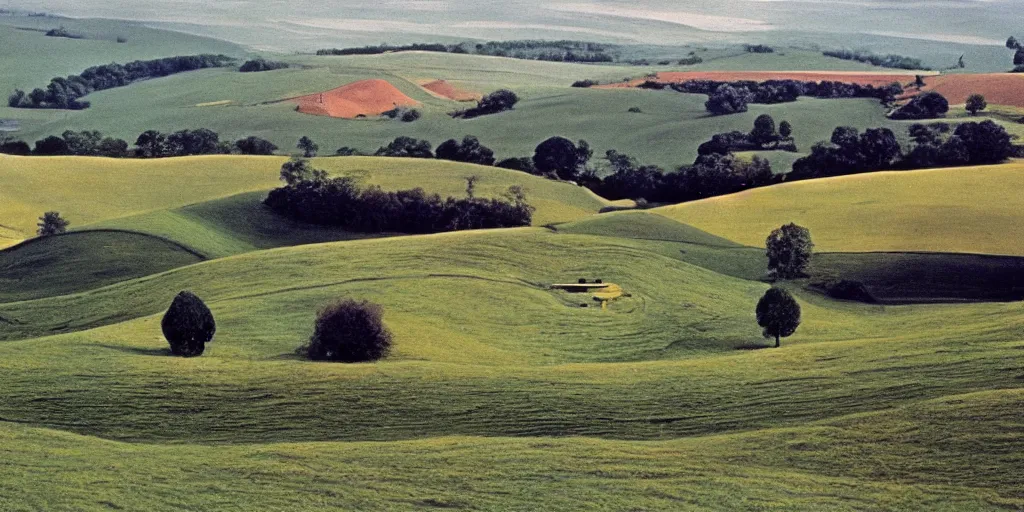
[(100, 192), (890, 277), (483, 347), (954, 454), (970, 210)]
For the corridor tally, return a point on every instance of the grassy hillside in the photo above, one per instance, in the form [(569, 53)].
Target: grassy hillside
[(849, 463), (164, 196), (971, 210), (502, 356)]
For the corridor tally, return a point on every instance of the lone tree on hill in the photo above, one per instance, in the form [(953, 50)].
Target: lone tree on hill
[(51, 223), (350, 332), (789, 251), (976, 103), (188, 325), (778, 314), (308, 147)]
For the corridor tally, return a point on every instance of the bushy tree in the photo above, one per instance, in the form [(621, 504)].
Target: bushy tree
[(51, 146), (14, 147), (349, 331), (928, 105), (987, 142), (112, 148), (789, 251), (308, 147), (1012, 43), (559, 157), (778, 314), (255, 146), (406, 147), (524, 164), (188, 325), (764, 130), (202, 141), (785, 129), (151, 144), (497, 101), (976, 103), (727, 99), (51, 223), (470, 150)]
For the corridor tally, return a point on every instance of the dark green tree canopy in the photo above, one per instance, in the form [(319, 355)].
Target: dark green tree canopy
[(789, 251), (308, 147), (976, 103), (349, 331), (470, 150), (51, 223), (778, 314), (764, 130), (559, 157), (188, 325)]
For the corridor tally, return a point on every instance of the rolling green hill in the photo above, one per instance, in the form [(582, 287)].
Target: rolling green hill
[(970, 210), (172, 197)]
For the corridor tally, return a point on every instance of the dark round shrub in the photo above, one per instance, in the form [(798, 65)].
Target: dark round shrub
[(188, 325), (350, 332)]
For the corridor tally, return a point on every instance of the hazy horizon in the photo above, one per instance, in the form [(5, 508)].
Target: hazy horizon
[(281, 25)]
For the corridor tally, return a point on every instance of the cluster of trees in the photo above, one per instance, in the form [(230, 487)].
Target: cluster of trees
[(1018, 55), (65, 93), (63, 32), (733, 97), (763, 136), (469, 150), (149, 144), (260, 64), (406, 115), (935, 145), (310, 195), (347, 331), (928, 105), (758, 48), (885, 61), (497, 101), (555, 51)]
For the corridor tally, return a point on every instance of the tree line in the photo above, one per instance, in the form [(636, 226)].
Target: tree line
[(66, 93), (311, 195), (934, 145), (149, 144), (885, 61), (734, 97)]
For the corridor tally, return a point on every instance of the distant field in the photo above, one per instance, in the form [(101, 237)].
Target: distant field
[(30, 58), (242, 104)]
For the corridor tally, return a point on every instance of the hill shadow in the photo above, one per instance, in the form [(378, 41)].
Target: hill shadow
[(139, 351)]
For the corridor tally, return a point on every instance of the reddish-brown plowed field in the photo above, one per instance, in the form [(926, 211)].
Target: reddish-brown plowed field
[(366, 98), (997, 88), (446, 90)]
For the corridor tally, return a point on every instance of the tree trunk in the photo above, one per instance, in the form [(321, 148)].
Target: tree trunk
[(778, 343)]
